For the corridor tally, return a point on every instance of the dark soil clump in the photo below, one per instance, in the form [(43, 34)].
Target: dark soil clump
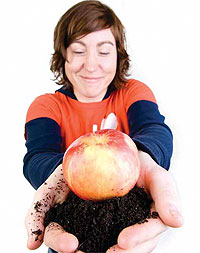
[(98, 224)]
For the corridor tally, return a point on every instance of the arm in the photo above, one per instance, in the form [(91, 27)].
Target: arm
[(43, 139), (43, 169), (154, 141), (149, 132), (44, 153)]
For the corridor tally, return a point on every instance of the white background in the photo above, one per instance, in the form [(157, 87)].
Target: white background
[(163, 41)]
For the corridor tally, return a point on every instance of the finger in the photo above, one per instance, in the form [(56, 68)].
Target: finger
[(117, 249), (59, 240), (54, 190), (79, 251), (35, 217), (137, 234), (145, 247), (164, 193), (110, 122)]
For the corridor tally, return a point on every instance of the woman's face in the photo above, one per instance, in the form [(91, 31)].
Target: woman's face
[(91, 65)]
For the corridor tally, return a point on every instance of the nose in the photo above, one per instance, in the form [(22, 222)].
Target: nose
[(91, 62)]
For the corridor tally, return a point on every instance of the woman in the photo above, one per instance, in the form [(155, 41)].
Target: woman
[(91, 63)]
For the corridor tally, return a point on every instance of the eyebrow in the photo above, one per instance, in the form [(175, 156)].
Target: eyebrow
[(98, 44)]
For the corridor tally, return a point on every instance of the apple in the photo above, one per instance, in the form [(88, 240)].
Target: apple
[(101, 165)]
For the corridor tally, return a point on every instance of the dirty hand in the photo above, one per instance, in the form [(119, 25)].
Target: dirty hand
[(53, 191), (143, 238)]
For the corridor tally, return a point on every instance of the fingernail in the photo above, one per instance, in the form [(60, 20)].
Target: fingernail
[(30, 240), (176, 213), (29, 243), (112, 249)]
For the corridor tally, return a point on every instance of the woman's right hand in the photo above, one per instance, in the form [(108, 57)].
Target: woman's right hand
[(53, 191)]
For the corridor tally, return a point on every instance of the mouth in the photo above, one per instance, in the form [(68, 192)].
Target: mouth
[(90, 79)]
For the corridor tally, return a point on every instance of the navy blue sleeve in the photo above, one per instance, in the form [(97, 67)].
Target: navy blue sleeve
[(44, 150), (149, 132)]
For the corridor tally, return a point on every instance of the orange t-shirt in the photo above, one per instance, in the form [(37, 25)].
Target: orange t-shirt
[(76, 118)]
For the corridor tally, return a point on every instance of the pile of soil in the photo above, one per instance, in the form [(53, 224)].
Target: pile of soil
[(98, 224)]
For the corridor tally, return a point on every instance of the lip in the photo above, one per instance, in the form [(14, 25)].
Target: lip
[(90, 78)]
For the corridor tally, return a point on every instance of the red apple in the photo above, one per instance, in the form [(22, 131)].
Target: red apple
[(101, 165)]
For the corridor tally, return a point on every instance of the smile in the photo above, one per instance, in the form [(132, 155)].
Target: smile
[(90, 79)]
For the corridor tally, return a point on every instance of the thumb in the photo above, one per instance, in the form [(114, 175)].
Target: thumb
[(164, 193), (35, 217), (110, 122)]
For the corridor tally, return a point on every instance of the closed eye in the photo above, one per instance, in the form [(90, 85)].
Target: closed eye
[(78, 52), (103, 53)]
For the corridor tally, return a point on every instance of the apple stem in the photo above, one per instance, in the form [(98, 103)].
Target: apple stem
[(94, 128)]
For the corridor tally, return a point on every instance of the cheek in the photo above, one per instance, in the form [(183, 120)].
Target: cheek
[(72, 66), (110, 65)]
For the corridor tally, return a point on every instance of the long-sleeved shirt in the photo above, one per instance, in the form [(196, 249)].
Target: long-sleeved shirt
[(54, 121)]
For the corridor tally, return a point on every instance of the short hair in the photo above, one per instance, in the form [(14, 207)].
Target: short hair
[(81, 19)]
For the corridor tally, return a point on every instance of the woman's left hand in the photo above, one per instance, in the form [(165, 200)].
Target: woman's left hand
[(143, 238)]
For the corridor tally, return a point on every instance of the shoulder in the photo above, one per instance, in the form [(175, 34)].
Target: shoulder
[(138, 88), (46, 105), (135, 90)]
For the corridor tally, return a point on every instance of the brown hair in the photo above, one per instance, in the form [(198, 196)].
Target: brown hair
[(81, 19)]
